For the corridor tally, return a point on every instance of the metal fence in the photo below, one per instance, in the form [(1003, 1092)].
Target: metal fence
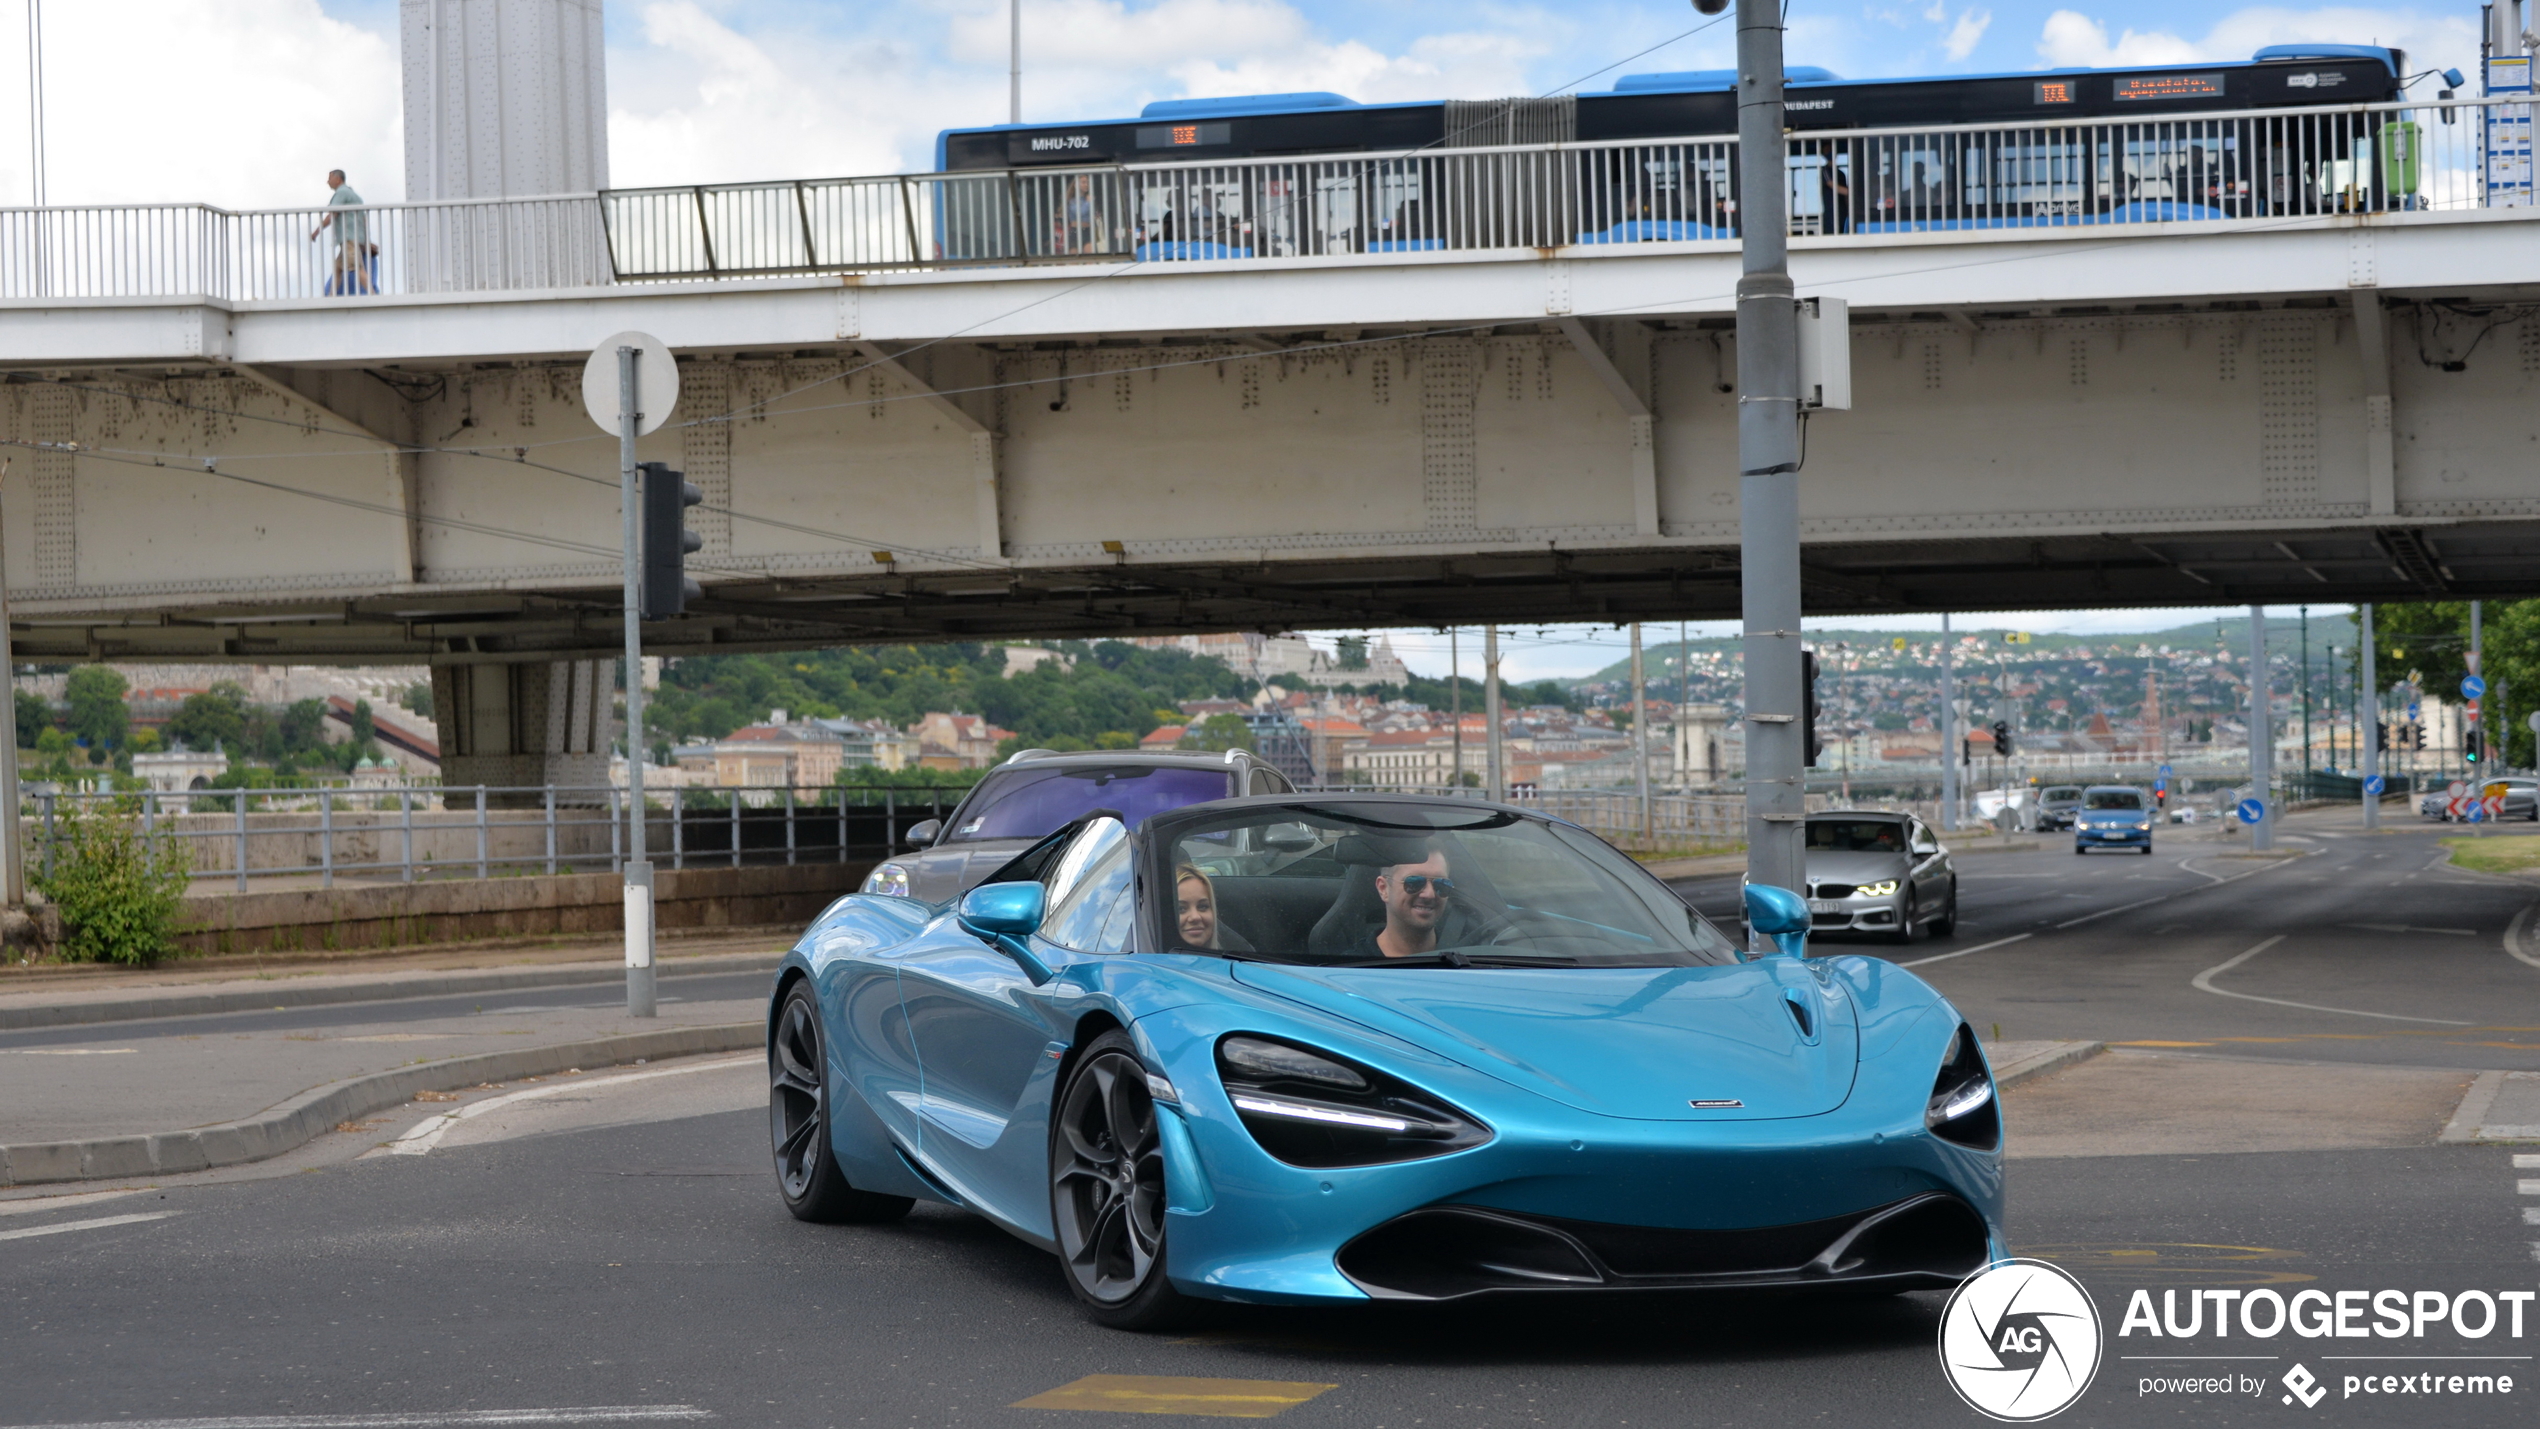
[(2135, 175), (411, 832)]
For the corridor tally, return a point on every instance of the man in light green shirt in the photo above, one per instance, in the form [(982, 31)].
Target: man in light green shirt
[(352, 238)]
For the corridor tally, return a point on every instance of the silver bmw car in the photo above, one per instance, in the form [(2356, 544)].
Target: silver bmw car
[(1884, 873)]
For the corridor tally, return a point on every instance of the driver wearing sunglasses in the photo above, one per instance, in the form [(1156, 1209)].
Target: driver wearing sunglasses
[(1415, 896)]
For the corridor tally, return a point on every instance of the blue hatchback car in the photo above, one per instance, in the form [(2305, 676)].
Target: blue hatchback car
[(2112, 816), (1328, 1049)]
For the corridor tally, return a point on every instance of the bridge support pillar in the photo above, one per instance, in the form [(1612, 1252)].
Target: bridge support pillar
[(2381, 443), (526, 727)]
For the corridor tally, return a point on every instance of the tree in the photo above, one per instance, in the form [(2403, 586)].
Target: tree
[(98, 714), (1352, 650), (1219, 732), (303, 726), (418, 698), (365, 728), (35, 715), (218, 716)]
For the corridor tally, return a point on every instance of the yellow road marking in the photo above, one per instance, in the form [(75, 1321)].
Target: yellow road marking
[(2160, 1044), (1174, 1394)]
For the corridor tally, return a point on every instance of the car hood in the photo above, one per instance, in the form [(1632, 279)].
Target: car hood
[(947, 871), (1643, 1043), (1830, 867)]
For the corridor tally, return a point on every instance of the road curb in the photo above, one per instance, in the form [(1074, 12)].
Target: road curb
[(290, 1123), (2038, 1064), (380, 989), (2469, 1121)]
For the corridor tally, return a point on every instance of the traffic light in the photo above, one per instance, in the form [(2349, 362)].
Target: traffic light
[(1808, 703), (666, 589), (2380, 735), (2416, 732), (2473, 744), (2002, 738)]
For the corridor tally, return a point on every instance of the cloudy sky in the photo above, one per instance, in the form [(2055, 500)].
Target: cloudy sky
[(247, 103)]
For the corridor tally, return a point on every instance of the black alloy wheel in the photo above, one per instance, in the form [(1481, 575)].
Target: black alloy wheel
[(807, 1173), (1107, 1190)]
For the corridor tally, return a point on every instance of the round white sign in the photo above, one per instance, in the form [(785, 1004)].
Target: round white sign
[(2020, 1341), (656, 383)]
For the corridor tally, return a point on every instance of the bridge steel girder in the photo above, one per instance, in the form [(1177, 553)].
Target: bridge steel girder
[(1417, 439)]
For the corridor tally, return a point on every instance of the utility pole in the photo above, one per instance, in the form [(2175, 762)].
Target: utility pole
[(1948, 745), (1455, 703), (2261, 735), (1490, 711), (11, 844), (1640, 740), (1680, 737), (1014, 62), (2306, 701), (2477, 661), (1768, 460), (2370, 680)]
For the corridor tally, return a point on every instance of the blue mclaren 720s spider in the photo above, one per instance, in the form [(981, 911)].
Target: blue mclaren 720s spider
[(1312, 1049)]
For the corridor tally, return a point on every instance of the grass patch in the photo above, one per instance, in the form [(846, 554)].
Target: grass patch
[(1691, 850), (2505, 853)]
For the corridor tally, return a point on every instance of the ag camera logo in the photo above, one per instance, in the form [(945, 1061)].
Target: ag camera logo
[(2020, 1341)]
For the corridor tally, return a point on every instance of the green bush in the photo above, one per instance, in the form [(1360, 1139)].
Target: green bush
[(118, 891)]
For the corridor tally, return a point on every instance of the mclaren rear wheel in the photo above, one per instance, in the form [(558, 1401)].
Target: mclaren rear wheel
[(807, 1173), (1107, 1190)]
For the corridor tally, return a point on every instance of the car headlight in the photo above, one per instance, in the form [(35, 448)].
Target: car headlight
[(2143, 823), (1963, 1108), (1313, 1109), (888, 878), (1874, 890)]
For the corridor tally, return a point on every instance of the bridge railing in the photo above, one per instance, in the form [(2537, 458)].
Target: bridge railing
[(2133, 175)]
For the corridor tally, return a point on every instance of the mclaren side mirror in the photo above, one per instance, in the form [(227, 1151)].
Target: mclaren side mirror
[(1780, 915), (922, 833), (1002, 915)]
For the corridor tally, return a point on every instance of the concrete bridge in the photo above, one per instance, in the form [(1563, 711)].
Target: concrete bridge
[(2126, 404)]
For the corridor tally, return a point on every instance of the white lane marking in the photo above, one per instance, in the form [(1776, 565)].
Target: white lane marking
[(595, 1414), (2513, 937), (61, 1203), (2218, 881), (1962, 952), (2405, 928), (99, 1223), (2524, 1162), (2531, 1215), (2527, 1188), (426, 1134), (2203, 982), (67, 1051)]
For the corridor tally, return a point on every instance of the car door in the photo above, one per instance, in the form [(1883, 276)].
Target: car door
[(1934, 879), (869, 1047), (986, 1034)]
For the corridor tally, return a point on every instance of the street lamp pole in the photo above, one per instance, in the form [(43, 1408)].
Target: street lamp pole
[(2369, 680), (1768, 459), (1948, 741)]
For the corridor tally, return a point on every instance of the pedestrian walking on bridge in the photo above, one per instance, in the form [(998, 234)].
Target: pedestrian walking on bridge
[(355, 254)]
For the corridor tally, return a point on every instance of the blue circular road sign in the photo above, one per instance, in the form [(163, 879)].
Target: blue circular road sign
[(2472, 687), (2252, 810), (2477, 811), (2375, 784)]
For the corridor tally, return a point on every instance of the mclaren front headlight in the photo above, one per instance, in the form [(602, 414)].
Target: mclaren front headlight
[(888, 878), (1310, 1108), (1963, 1107), (1880, 889)]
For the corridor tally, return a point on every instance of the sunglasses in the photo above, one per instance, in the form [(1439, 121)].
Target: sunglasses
[(1415, 883)]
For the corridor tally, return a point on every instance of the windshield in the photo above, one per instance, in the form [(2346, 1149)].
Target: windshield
[(2126, 799), (1029, 803), (1856, 836), (1411, 885), (2062, 794)]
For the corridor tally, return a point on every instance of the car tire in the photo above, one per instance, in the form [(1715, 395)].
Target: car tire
[(807, 1173), (1905, 921), (2078, 850), (1946, 925), (1107, 1191)]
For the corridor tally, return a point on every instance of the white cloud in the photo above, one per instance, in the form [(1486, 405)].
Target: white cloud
[(246, 104), (1967, 33), (2431, 40)]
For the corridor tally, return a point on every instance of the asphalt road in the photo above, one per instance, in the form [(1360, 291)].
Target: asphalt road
[(616, 1248), (650, 1265), (2366, 948)]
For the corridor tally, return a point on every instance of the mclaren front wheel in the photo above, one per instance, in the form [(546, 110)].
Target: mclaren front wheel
[(1107, 1190)]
